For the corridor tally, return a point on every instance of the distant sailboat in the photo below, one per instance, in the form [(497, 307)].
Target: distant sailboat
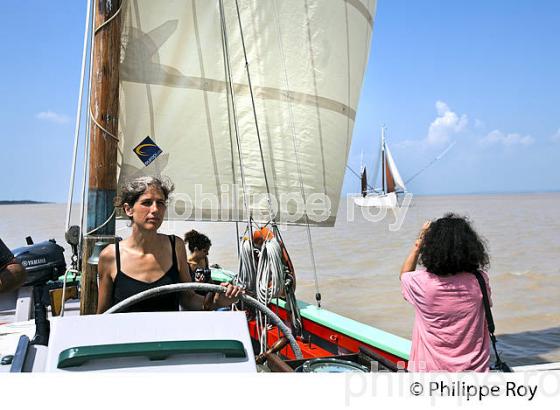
[(391, 181)]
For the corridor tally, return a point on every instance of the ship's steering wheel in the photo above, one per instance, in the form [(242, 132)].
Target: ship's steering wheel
[(179, 287)]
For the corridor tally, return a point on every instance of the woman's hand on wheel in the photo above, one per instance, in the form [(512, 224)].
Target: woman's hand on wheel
[(232, 292)]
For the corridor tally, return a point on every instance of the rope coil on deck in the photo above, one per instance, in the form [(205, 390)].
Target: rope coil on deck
[(247, 270), (271, 277)]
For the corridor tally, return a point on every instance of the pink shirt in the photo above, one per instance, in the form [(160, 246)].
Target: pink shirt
[(450, 331)]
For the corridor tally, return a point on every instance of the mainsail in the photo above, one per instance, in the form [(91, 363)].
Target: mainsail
[(188, 110), (390, 185), (391, 180), (394, 179)]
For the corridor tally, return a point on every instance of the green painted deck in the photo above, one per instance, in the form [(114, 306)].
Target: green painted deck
[(385, 341), (222, 275)]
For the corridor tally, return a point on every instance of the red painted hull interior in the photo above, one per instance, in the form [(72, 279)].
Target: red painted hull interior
[(319, 341)]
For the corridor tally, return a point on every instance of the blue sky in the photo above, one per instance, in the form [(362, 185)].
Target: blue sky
[(494, 68), (485, 74)]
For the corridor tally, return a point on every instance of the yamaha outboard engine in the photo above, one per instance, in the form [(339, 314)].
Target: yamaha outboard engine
[(43, 262)]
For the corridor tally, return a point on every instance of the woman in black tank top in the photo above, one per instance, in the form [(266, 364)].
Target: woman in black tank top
[(147, 259), (125, 286)]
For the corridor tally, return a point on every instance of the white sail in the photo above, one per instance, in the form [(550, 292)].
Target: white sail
[(399, 184), (391, 181), (377, 166), (306, 61)]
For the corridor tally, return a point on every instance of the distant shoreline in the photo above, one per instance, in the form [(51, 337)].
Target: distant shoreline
[(345, 196), (490, 193), (24, 202)]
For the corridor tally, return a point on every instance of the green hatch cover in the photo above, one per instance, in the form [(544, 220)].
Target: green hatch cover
[(76, 356)]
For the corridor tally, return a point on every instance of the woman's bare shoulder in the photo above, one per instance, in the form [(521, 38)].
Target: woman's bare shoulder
[(108, 253), (178, 241)]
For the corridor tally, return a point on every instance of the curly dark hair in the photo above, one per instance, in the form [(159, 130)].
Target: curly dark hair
[(133, 189), (451, 246), (197, 240)]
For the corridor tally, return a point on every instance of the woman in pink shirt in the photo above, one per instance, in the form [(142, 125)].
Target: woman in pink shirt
[(450, 331)]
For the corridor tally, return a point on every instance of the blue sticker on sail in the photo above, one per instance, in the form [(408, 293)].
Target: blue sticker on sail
[(147, 151)]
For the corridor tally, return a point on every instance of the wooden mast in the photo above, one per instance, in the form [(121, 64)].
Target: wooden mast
[(104, 107)]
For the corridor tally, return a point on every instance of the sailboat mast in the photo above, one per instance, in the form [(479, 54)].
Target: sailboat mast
[(104, 109)]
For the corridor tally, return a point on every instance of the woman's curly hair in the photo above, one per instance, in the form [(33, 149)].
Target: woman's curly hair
[(197, 240), (451, 246), (135, 188)]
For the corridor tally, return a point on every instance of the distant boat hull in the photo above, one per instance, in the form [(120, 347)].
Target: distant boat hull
[(377, 200)]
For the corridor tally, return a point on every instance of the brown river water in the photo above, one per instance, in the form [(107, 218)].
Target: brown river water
[(358, 261)]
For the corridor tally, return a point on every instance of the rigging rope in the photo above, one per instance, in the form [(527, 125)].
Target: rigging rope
[(104, 223), (248, 266), (225, 50), (98, 125), (359, 176), (300, 176), (232, 112), (86, 142), (106, 22), (249, 83), (271, 274), (90, 18), (440, 156), (97, 30), (78, 120), (271, 277), (247, 269), (84, 194), (92, 117)]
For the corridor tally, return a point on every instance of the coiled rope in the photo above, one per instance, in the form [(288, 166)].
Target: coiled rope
[(247, 269), (271, 277), (271, 274)]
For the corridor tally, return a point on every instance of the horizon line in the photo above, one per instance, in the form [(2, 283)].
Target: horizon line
[(343, 196)]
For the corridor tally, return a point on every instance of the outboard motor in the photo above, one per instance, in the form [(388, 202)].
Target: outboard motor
[(43, 262)]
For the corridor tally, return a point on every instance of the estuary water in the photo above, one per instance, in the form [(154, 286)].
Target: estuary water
[(358, 261)]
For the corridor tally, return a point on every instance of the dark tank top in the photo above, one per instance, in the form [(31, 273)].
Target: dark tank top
[(124, 286)]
